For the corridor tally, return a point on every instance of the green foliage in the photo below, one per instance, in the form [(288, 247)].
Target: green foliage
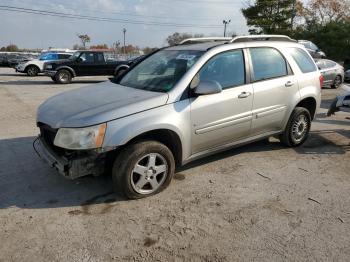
[(269, 16), (333, 38)]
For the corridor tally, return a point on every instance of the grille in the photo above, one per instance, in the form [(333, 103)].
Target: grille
[(48, 134)]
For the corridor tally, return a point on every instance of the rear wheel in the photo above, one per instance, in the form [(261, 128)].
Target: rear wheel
[(298, 128), (337, 82), (32, 70), (143, 169), (63, 76)]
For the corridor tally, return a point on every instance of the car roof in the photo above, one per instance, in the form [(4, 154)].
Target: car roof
[(209, 45), (196, 47)]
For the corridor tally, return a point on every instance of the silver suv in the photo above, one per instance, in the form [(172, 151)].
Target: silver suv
[(179, 104)]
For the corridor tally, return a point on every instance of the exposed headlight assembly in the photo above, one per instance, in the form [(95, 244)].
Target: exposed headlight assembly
[(81, 138)]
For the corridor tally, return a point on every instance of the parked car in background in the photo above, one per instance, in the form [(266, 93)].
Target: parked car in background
[(332, 72), (314, 51), (36, 66), (347, 76), (12, 60), (177, 105), (81, 63)]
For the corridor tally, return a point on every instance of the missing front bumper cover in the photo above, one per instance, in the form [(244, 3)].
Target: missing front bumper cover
[(71, 166)]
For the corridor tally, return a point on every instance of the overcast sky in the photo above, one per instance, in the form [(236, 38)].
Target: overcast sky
[(40, 31)]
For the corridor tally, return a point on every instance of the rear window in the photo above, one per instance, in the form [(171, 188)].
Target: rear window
[(304, 61)]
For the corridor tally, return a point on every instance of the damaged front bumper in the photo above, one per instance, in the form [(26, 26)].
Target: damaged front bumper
[(72, 165)]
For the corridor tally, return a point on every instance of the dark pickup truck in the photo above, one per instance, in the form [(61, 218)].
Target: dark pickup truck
[(82, 63)]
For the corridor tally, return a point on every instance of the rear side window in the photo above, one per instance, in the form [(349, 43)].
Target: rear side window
[(268, 63), (304, 61), (330, 64), (226, 68)]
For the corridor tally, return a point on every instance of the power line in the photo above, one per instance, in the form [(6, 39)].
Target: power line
[(101, 19), (114, 11)]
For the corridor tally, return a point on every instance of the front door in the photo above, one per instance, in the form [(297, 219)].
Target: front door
[(85, 64), (218, 119)]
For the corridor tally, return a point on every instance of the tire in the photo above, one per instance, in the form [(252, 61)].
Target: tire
[(120, 72), (142, 181), (63, 76), (298, 128), (337, 82), (32, 70)]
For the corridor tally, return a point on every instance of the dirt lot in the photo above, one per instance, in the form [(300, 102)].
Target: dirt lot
[(261, 202)]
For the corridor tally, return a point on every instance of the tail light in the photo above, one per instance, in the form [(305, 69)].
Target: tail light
[(321, 80)]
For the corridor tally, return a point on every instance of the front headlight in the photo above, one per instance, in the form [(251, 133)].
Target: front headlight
[(48, 67), (81, 138)]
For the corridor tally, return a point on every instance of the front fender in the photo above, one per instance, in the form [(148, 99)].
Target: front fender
[(174, 117)]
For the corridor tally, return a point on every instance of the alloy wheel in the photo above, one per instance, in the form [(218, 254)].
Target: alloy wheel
[(149, 173), (300, 128)]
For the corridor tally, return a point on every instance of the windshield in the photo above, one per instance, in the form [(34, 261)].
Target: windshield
[(161, 71), (48, 56)]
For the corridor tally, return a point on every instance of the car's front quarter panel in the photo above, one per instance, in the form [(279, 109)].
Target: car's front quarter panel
[(174, 117)]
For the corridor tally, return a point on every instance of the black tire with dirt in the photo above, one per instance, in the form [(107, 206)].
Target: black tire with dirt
[(134, 173), (32, 70), (63, 76), (337, 82), (298, 128)]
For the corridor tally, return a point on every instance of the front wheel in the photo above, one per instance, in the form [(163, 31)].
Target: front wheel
[(32, 71), (63, 76), (143, 169), (298, 128)]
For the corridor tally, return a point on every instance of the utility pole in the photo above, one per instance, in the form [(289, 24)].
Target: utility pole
[(124, 31), (294, 13), (225, 22)]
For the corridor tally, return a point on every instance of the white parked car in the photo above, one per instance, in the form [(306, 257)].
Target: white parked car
[(36, 66)]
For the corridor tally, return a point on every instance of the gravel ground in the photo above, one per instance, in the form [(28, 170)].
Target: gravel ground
[(261, 202)]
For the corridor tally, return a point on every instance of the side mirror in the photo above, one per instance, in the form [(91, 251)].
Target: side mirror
[(79, 59), (208, 87)]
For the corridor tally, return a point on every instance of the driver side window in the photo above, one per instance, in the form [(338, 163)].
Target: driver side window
[(87, 58), (226, 68)]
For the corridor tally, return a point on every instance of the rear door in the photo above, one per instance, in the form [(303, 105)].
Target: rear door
[(274, 87), (218, 119)]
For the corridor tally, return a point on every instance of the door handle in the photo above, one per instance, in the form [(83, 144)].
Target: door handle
[(289, 83), (244, 95)]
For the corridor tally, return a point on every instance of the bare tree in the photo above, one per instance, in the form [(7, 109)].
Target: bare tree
[(84, 39), (325, 11)]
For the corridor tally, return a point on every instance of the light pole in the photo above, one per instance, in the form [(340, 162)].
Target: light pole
[(225, 22), (124, 31)]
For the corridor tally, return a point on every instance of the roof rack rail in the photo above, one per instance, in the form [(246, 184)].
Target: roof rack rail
[(204, 39), (248, 38)]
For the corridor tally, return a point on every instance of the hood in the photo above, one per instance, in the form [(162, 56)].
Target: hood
[(97, 104)]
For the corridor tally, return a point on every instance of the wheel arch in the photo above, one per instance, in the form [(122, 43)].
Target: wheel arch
[(310, 104), (119, 67), (71, 70), (165, 136), (26, 68)]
